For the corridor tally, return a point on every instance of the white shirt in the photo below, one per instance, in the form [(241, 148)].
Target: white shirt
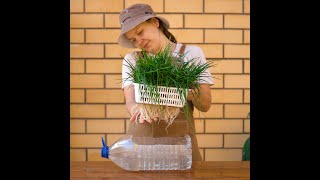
[(191, 52)]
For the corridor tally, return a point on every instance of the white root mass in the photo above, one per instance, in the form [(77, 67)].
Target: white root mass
[(149, 111)]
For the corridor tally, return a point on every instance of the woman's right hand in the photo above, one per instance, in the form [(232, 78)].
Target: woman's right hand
[(138, 119), (135, 117)]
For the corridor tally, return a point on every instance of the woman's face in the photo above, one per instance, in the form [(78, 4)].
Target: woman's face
[(146, 36)]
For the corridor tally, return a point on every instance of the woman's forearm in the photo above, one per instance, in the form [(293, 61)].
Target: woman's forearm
[(129, 106), (129, 98), (201, 100)]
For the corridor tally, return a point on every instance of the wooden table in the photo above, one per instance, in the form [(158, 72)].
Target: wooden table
[(237, 170)]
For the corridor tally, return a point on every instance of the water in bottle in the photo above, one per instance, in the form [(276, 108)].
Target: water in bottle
[(150, 153)]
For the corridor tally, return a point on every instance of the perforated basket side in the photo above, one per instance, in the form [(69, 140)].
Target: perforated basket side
[(168, 96)]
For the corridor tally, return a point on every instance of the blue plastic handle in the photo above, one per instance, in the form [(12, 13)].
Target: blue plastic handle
[(104, 149)]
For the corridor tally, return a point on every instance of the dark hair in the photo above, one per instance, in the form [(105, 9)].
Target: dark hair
[(166, 32)]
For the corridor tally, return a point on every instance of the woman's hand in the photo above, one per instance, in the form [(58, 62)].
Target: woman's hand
[(191, 95), (132, 106), (139, 119), (135, 117), (201, 100)]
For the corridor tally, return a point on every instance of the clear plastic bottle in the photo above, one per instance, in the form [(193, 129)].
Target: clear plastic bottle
[(150, 153)]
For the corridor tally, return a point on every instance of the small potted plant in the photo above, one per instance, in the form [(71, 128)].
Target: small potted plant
[(246, 147)]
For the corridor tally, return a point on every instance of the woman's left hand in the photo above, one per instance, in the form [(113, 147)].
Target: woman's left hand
[(191, 94), (201, 98)]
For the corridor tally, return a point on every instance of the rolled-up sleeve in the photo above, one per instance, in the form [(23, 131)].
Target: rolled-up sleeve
[(126, 79)]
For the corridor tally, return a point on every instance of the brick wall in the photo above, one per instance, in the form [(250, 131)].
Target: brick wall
[(220, 27)]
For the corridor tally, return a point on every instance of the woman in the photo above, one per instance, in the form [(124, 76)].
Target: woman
[(142, 28)]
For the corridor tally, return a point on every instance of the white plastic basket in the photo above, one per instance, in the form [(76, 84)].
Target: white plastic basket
[(169, 96)]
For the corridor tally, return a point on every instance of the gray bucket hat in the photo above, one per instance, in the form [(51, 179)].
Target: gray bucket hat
[(133, 16)]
